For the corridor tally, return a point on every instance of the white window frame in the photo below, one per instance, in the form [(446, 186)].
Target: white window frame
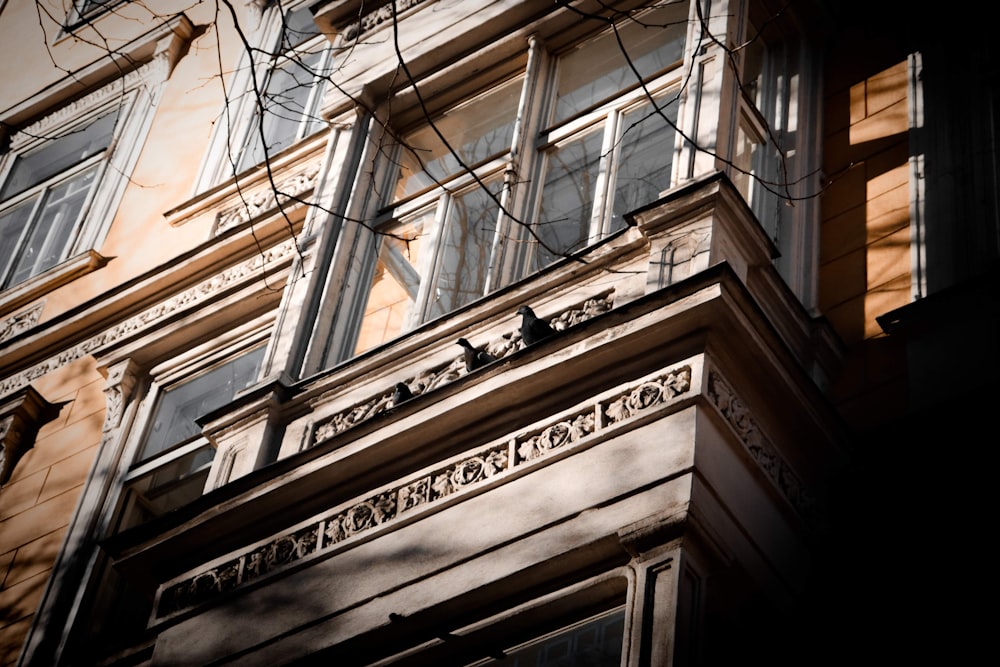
[(135, 98), (81, 14), (237, 123), (786, 94), (170, 374), (511, 262)]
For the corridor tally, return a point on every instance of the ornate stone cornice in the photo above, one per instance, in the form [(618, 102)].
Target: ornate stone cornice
[(376, 18), (187, 299), (20, 417), (439, 376), (761, 450), (430, 490)]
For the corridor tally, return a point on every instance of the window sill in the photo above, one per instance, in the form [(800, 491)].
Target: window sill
[(45, 282)]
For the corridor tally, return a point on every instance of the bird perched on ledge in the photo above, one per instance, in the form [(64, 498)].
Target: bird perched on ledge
[(401, 394), (533, 329), (475, 357)]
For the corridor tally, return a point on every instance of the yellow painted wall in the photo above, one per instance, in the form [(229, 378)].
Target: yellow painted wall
[(37, 503), (865, 229)]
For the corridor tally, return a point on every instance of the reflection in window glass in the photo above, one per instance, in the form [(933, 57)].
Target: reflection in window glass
[(178, 482), (57, 155), (593, 643), (464, 260), (476, 131), (645, 158), (54, 183), (178, 407), (396, 283), (568, 197), (599, 69)]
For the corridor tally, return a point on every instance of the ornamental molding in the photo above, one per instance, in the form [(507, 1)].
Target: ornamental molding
[(156, 70), (20, 417), (290, 188), (439, 376), (758, 446), (377, 18), (431, 490), (20, 322), (185, 300)]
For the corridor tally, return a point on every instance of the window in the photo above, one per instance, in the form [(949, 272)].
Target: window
[(595, 642), (459, 219), (45, 195), (171, 466), (773, 142), (290, 97), (85, 11)]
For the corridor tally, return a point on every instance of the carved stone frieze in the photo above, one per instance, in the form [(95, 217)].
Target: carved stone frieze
[(432, 378), (187, 299), (758, 446), (20, 322), (378, 17), (382, 508), (649, 393), (268, 198)]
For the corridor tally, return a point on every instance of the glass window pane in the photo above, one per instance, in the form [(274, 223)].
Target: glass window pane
[(298, 27), (172, 485), (396, 283), (477, 130), (568, 197), (593, 643), (59, 154), (464, 258), (12, 229), (645, 156), (178, 407), (283, 109), (598, 69), (48, 242)]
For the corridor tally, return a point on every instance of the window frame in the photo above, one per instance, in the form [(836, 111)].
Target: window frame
[(41, 191), (159, 380), (135, 98), (80, 14), (779, 107), (534, 134), (237, 129)]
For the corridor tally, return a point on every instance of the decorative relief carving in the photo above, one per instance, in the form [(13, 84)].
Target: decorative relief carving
[(648, 394), (442, 375), (555, 436), (379, 509), (757, 445), (267, 199), (154, 71), (374, 19), (190, 297), (20, 322)]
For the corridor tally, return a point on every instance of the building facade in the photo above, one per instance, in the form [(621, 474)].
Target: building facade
[(239, 244)]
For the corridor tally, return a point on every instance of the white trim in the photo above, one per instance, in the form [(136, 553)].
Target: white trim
[(918, 198)]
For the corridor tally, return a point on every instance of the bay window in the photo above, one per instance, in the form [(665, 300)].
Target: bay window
[(486, 205), (774, 156)]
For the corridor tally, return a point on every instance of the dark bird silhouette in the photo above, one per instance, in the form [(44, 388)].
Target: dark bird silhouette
[(401, 394), (474, 357), (533, 329)]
